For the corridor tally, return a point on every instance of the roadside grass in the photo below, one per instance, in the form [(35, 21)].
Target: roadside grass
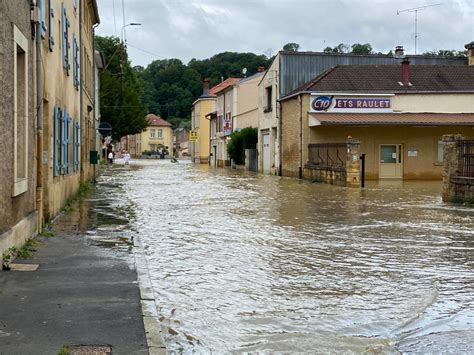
[(85, 189)]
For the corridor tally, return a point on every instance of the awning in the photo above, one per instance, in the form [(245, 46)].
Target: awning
[(391, 119)]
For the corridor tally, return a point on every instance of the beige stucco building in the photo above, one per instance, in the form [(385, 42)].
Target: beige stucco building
[(246, 101), (68, 99), (200, 125), (290, 70), (158, 137), (398, 113)]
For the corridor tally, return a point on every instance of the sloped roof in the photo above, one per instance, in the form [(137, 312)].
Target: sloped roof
[(386, 78), (224, 85), (408, 119), (156, 121)]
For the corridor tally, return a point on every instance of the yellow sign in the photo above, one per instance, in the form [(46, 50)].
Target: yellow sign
[(193, 136)]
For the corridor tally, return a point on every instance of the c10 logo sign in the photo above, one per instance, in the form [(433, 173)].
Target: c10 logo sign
[(322, 103)]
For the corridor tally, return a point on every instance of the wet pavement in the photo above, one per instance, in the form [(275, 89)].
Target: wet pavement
[(84, 293)]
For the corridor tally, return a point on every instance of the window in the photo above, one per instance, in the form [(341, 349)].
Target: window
[(56, 140), (268, 99), (159, 133), (152, 133), (219, 123), (440, 152), (65, 39), (20, 112), (51, 25)]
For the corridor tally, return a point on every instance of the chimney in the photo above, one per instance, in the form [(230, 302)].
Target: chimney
[(406, 72), (260, 69), (470, 53), (205, 87), (399, 52)]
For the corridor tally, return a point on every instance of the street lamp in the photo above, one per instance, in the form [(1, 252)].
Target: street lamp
[(123, 34)]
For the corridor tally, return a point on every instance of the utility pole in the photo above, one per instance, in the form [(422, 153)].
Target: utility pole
[(415, 10)]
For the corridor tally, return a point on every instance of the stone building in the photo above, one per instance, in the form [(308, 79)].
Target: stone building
[(18, 213), (290, 70), (398, 113)]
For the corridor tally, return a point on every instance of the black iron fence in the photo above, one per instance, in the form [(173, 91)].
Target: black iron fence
[(466, 158), (327, 156)]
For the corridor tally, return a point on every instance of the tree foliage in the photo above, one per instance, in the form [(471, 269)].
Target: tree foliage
[(356, 48), (239, 141), (120, 90), (291, 47), (447, 53), (171, 87)]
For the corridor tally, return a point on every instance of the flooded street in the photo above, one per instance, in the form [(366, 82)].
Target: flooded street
[(249, 263)]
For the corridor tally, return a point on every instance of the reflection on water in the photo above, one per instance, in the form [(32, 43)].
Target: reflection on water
[(248, 263)]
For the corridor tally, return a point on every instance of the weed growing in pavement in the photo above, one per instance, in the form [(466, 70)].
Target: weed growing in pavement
[(64, 350), (26, 251), (47, 233)]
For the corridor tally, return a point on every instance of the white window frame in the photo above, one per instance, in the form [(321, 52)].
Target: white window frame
[(20, 185), (440, 152), (152, 133), (159, 133)]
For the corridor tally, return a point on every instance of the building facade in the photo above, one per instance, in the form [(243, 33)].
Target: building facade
[(397, 113), (200, 125), (246, 102), (67, 31), (18, 125), (289, 70), (156, 139)]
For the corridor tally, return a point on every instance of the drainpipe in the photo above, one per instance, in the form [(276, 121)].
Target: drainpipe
[(81, 93), (300, 148), (39, 129), (94, 96)]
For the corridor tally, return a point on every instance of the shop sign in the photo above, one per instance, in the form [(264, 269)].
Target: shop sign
[(193, 136), (327, 103)]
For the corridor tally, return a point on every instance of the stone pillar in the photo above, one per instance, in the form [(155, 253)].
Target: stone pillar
[(353, 163), (451, 162)]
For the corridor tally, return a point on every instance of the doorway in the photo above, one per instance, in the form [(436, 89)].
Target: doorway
[(266, 153), (391, 161)]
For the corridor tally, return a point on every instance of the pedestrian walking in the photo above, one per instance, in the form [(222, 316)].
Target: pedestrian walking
[(110, 157)]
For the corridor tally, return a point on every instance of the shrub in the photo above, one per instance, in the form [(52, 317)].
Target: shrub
[(239, 141)]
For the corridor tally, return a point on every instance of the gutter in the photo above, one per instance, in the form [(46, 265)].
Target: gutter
[(300, 148), (81, 93)]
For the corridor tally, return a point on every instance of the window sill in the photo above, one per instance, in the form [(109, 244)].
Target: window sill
[(20, 187)]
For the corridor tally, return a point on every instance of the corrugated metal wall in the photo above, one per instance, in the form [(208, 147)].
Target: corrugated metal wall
[(299, 68)]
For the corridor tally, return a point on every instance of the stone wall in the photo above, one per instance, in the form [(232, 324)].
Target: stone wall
[(455, 188), (13, 210)]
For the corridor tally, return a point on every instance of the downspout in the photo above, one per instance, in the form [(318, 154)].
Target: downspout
[(95, 71), (81, 93), (300, 148), (39, 129)]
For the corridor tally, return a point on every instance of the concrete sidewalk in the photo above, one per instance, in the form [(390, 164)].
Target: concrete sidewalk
[(81, 294)]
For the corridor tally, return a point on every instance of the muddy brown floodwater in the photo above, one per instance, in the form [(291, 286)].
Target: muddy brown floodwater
[(249, 263)]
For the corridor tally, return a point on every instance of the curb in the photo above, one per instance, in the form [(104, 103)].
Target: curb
[(151, 322)]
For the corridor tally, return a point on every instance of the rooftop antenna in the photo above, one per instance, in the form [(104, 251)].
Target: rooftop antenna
[(415, 10)]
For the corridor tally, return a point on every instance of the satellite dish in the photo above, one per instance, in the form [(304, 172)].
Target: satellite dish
[(244, 71)]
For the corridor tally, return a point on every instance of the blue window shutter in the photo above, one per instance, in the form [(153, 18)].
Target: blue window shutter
[(67, 142), (42, 10), (51, 25), (63, 35), (55, 142), (63, 145), (75, 61)]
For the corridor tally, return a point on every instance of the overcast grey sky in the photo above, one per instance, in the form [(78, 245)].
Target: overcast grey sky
[(187, 29)]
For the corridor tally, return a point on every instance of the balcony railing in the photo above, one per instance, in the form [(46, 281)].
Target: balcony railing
[(466, 158)]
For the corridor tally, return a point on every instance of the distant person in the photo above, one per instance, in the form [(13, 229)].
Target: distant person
[(110, 157), (126, 157)]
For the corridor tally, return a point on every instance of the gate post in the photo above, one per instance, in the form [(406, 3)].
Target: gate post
[(352, 163), (451, 164)]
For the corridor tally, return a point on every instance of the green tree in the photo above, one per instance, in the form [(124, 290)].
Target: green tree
[(447, 53), (239, 141), (120, 90), (358, 48), (291, 47), (340, 48)]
